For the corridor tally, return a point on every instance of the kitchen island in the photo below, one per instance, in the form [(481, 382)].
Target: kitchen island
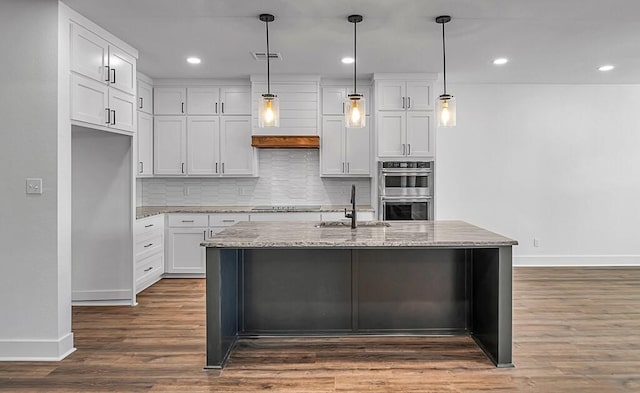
[(396, 278)]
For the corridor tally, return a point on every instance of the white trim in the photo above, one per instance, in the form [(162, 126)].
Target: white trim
[(36, 350), (144, 78), (101, 295), (293, 78), (75, 17), (406, 77), (98, 303), (576, 260), (200, 82)]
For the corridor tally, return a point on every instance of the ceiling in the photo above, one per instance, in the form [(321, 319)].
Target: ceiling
[(547, 41)]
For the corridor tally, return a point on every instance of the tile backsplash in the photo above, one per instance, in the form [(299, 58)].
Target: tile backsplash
[(287, 177)]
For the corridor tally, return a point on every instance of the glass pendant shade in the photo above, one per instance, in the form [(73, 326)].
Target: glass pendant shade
[(269, 111), (446, 111), (354, 114)]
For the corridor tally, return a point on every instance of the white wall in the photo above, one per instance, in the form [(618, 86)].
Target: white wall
[(560, 163), (287, 177), (34, 278)]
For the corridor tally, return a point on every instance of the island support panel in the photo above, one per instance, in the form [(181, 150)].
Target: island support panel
[(426, 291)]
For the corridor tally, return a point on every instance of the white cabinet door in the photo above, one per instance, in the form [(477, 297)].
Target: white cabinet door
[(203, 135), (391, 95), (419, 134), (236, 153), (419, 96), (203, 100), (332, 145), (145, 97), (391, 133), (358, 151), (122, 70), (184, 253), (145, 144), (333, 100), (89, 100), (235, 100), (169, 145), (89, 54), (123, 110), (169, 100)]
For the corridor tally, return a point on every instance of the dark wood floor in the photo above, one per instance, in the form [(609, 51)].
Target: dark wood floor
[(575, 330)]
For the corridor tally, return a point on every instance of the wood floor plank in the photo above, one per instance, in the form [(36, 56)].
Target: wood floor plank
[(575, 330)]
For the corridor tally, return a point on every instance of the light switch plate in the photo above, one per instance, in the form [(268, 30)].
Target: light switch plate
[(34, 186)]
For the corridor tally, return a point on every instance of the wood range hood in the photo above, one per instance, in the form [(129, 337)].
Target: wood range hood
[(286, 141)]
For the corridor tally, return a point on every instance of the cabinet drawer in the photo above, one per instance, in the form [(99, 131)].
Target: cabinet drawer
[(188, 220), (149, 267), (149, 224), (147, 245), (226, 219)]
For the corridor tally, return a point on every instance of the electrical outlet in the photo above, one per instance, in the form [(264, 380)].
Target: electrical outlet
[(536, 242), (34, 186)]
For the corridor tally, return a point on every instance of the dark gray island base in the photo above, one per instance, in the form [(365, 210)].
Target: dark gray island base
[(291, 279)]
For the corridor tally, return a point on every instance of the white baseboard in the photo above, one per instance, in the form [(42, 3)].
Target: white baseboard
[(576, 260), (101, 295), (36, 350)]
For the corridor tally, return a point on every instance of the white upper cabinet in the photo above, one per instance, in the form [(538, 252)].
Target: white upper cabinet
[(169, 100), (404, 120), (344, 151), (89, 100), (219, 101), (203, 100), (169, 145), (391, 95), (145, 144), (145, 97), (122, 70), (419, 134), (419, 96), (402, 95), (333, 100), (235, 101), (203, 146), (237, 156), (103, 81), (122, 108), (89, 54)]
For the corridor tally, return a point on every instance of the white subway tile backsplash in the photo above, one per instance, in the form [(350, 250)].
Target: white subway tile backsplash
[(287, 177)]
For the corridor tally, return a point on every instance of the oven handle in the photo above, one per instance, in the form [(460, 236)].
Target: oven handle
[(406, 172), (405, 199)]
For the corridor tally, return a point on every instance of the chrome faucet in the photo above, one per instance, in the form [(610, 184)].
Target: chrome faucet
[(352, 215)]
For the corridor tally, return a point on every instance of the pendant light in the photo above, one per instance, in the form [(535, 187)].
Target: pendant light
[(355, 105), (269, 115), (446, 102)]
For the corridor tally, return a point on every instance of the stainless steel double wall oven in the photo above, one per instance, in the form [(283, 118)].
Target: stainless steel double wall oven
[(406, 190)]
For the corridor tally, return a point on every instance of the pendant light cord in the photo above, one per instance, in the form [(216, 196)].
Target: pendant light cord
[(268, 56), (444, 61), (355, 62)]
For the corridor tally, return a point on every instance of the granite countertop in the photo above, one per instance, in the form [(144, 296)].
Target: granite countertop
[(305, 234), (148, 211)]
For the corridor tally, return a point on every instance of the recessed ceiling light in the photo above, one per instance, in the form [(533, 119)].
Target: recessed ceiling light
[(193, 60), (500, 61), (606, 68), (347, 60)]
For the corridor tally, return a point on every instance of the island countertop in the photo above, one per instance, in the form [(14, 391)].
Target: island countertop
[(306, 234), (148, 211)]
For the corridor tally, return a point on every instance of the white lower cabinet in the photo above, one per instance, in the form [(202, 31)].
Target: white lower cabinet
[(149, 251), (185, 255)]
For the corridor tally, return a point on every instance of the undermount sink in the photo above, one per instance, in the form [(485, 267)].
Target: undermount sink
[(344, 224)]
